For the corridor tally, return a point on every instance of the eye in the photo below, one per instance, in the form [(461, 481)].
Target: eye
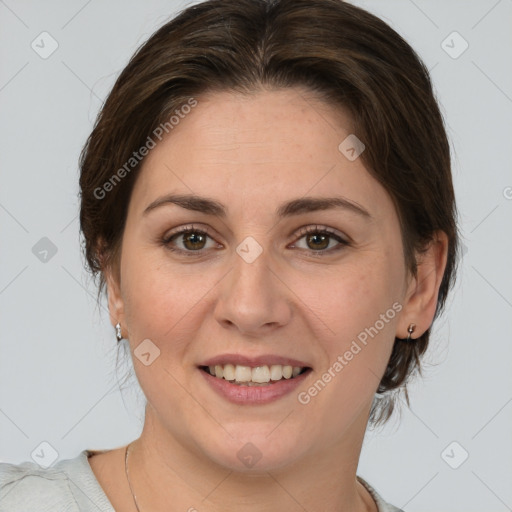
[(318, 240), (193, 240)]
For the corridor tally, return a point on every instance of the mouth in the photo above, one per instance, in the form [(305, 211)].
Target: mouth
[(262, 375)]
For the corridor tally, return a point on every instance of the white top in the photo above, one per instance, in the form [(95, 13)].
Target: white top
[(71, 486)]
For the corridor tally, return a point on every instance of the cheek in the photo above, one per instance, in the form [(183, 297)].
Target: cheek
[(361, 311), (163, 302), (357, 298), (162, 307)]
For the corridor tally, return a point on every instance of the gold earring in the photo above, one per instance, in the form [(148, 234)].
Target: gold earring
[(410, 330)]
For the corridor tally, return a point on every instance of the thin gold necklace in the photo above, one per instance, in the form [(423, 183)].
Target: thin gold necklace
[(127, 478)]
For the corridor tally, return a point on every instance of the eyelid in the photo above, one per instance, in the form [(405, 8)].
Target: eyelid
[(188, 227), (314, 228)]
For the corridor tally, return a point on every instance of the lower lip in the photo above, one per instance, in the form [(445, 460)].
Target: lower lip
[(251, 395)]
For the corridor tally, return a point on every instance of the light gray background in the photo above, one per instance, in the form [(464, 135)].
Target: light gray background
[(57, 354)]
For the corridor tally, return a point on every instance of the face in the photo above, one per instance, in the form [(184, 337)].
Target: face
[(263, 284)]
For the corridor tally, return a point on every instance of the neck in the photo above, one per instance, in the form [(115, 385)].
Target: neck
[(167, 475)]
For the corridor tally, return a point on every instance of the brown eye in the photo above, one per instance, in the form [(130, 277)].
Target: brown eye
[(318, 240), (194, 240), (189, 241)]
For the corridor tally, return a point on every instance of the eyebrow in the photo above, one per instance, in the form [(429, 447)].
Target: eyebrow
[(294, 207)]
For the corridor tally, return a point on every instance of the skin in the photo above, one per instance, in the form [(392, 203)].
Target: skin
[(252, 153)]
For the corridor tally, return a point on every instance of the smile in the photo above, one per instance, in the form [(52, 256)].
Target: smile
[(254, 376)]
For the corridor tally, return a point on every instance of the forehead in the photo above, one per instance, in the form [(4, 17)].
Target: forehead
[(276, 121), (257, 148)]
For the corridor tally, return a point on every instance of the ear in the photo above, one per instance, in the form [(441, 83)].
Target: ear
[(420, 301), (115, 299)]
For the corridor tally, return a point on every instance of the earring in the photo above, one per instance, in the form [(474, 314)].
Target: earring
[(410, 330), (119, 335)]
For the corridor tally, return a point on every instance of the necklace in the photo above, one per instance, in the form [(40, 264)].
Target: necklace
[(127, 478)]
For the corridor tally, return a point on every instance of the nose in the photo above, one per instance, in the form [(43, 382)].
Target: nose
[(253, 298)]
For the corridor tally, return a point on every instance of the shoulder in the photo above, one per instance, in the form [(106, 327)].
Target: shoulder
[(67, 486), (27, 486), (382, 505)]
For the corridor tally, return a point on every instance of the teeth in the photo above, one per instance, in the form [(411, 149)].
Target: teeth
[(243, 373), (287, 372), (276, 372), (259, 375), (228, 372)]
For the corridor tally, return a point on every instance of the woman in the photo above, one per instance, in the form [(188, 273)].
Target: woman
[(266, 197)]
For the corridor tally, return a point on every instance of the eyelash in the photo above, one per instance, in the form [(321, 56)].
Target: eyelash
[(303, 232)]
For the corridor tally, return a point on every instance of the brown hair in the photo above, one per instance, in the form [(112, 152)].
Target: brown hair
[(345, 54)]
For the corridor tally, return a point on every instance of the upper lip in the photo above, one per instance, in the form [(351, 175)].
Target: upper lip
[(262, 360)]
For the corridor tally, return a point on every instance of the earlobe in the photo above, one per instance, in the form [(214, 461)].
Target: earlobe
[(422, 293)]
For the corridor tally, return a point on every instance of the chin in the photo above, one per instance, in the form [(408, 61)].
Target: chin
[(255, 452)]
